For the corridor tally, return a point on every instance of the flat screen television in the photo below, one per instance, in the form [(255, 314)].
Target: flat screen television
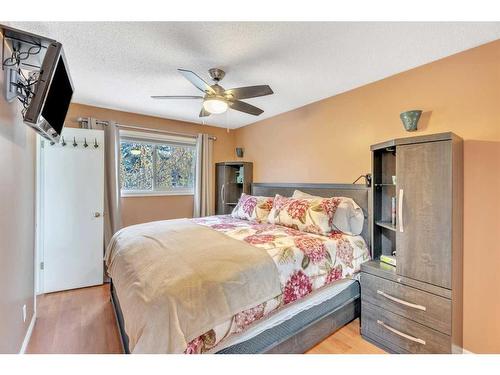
[(49, 105)]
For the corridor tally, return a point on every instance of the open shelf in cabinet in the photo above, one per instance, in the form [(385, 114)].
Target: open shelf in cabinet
[(384, 176)]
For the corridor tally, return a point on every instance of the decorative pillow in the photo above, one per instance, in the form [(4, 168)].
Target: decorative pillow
[(251, 207), (313, 215), (348, 218)]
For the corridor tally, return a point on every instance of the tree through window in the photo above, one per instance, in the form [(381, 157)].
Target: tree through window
[(156, 166)]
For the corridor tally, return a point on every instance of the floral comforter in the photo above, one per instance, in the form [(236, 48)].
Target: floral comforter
[(305, 262)]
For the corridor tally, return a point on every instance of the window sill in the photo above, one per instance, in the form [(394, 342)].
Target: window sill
[(154, 194)]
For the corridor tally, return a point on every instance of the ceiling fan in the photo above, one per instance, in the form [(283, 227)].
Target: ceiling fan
[(216, 99)]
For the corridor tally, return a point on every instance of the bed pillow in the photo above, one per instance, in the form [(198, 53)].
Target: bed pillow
[(313, 215), (348, 217), (252, 207)]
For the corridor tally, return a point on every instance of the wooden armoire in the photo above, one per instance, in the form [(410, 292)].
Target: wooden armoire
[(231, 180), (416, 306)]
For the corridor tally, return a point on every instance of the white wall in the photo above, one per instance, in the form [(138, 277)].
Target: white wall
[(17, 224)]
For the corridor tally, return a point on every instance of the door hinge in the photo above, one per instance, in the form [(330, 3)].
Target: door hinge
[(42, 265)]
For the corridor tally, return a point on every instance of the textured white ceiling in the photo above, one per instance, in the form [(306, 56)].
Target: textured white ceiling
[(120, 64)]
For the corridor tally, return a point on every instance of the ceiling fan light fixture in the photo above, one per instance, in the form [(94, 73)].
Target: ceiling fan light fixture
[(216, 99), (215, 105)]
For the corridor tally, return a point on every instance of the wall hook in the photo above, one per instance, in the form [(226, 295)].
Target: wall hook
[(63, 143), (95, 143), (74, 142), (85, 144)]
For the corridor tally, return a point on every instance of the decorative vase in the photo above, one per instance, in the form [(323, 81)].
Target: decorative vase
[(410, 119)]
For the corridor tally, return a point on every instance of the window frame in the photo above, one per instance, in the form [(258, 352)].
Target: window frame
[(154, 140)]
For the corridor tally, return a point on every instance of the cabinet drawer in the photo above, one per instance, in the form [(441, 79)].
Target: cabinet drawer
[(425, 308), (377, 323)]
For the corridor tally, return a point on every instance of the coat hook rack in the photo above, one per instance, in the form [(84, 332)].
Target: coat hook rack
[(95, 143), (74, 142), (63, 143), (85, 144)]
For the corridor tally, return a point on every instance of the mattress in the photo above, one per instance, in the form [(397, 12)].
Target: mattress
[(287, 321)]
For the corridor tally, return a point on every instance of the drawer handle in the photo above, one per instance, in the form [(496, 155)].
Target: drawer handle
[(399, 333), (409, 304)]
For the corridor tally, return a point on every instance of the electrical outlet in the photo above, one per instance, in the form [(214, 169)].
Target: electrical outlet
[(24, 313)]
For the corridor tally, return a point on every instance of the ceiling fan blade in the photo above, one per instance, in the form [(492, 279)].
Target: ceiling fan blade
[(204, 113), (244, 107), (196, 80), (249, 91), (176, 97)]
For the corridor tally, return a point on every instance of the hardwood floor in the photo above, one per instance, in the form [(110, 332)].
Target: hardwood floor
[(83, 321), (75, 321), (346, 340)]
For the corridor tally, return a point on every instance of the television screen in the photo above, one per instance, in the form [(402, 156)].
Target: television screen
[(58, 98), (50, 103)]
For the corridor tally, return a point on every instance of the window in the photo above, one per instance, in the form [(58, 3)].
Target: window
[(153, 164)]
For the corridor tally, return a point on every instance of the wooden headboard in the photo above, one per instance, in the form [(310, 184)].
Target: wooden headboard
[(359, 193)]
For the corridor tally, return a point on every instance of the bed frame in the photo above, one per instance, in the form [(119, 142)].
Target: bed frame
[(315, 324)]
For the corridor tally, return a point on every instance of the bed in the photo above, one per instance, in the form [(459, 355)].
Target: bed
[(294, 320)]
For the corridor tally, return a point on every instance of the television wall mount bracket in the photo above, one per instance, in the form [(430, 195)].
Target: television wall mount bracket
[(22, 57)]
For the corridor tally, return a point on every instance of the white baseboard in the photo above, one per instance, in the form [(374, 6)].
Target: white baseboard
[(459, 350), (28, 334)]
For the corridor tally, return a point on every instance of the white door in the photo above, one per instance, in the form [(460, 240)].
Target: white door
[(72, 204)]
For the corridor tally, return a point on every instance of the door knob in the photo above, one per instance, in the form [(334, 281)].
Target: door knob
[(97, 214)]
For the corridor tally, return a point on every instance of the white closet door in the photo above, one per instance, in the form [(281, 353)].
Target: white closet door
[(72, 211)]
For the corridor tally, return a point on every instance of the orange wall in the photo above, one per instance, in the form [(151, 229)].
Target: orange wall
[(143, 209), (137, 210), (481, 245), (329, 140)]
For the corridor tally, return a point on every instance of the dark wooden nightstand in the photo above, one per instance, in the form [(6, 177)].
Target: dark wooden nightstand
[(402, 315)]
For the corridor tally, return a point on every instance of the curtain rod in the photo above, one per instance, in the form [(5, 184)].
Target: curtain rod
[(86, 120)]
